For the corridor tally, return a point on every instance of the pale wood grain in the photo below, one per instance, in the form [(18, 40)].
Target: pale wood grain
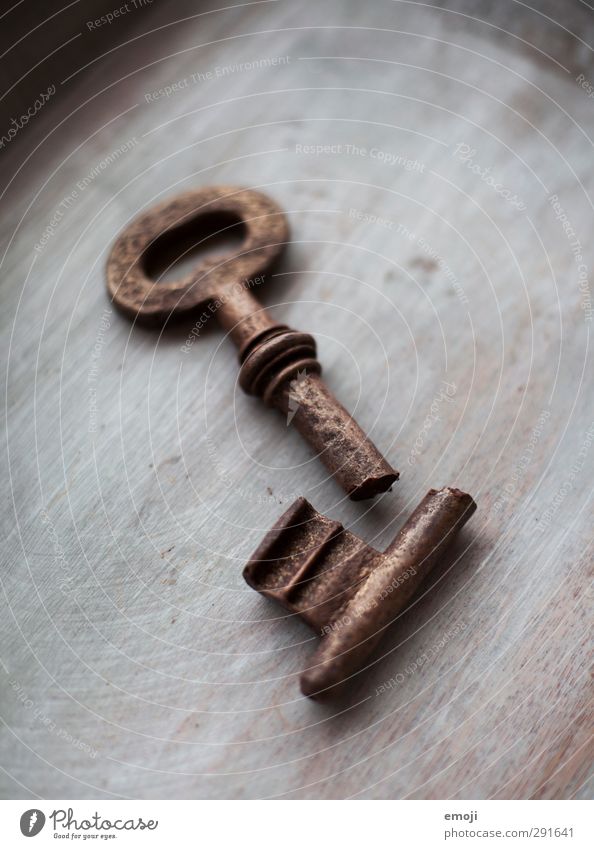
[(126, 621)]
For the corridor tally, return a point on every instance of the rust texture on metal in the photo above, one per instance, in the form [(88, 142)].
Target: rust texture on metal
[(278, 364), (345, 590)]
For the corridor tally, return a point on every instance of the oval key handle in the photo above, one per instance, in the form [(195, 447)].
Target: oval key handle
[(277, 364), (213, 279)]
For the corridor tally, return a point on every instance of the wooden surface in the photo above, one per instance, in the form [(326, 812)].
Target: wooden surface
[(135, 660)]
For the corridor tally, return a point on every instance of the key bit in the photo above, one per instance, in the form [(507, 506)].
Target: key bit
[(345, 590), (277, 364)]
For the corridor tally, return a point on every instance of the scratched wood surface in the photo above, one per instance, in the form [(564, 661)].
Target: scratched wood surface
[(138, 478)]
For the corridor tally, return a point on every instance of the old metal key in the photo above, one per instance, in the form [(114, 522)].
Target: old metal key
[(344, 589), (272, 356)]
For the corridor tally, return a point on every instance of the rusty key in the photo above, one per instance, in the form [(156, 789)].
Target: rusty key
[(277, 364), (344, 589)]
